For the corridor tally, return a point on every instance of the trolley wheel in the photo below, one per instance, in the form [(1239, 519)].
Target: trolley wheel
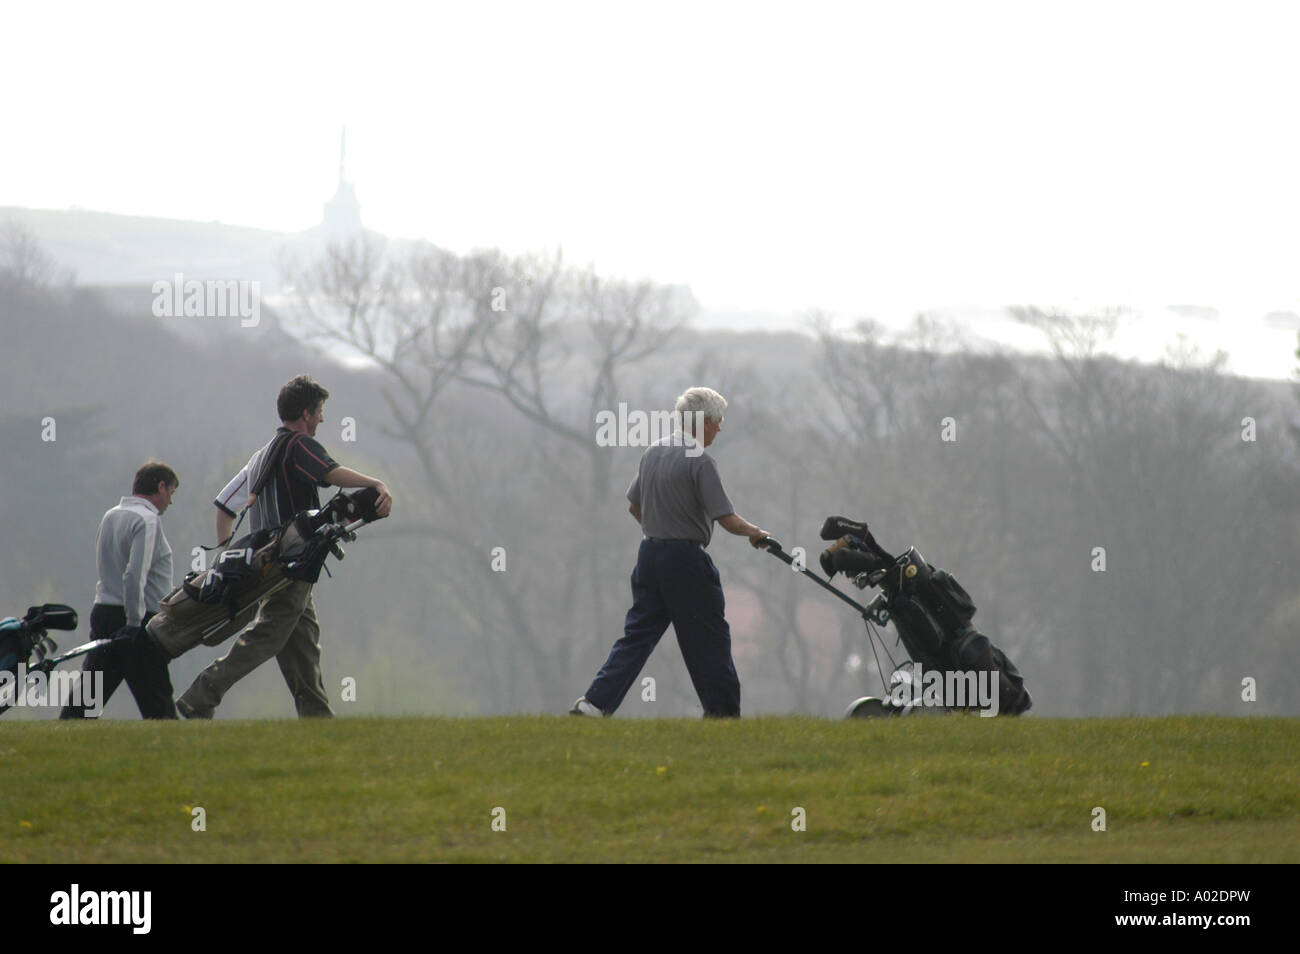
[(869, 707)]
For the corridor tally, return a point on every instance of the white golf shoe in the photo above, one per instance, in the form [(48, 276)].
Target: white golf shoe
[(584, 708)]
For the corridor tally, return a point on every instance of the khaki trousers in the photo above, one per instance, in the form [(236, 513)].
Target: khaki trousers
[(286, 628)]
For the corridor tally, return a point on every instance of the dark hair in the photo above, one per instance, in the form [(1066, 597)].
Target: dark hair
[(150, 475), (300, 394)]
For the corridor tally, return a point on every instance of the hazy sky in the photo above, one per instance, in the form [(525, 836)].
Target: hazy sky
[(857, 157)]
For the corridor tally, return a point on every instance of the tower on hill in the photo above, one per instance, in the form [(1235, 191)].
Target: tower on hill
[(343, 212)]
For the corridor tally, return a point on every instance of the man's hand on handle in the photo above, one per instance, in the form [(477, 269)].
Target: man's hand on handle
[(347, 477), (384, 505)]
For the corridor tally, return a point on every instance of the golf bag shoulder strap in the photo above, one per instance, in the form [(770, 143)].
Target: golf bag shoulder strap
[(279, 449)]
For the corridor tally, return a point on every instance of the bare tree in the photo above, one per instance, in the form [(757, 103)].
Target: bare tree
[(556, 346), (550, 347), (1154, 471), (23, 261)]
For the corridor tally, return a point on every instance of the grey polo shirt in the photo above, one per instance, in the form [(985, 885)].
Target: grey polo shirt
[(680, 494), (134, 559)]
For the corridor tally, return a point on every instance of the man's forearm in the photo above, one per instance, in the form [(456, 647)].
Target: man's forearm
[(133, 598), (225, 522), (138, 560), (347, 477), (133, 581), (735, 523)]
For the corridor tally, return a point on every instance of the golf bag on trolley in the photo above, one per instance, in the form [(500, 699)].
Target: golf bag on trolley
[(210, 607), (930, 610), (26, 647)]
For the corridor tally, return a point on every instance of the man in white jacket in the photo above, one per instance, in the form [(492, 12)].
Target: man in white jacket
[(134, 561)]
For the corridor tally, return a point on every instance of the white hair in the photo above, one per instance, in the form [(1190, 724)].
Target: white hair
[(705, 401)]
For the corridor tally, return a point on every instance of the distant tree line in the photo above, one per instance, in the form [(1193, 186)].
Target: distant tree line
[(1128, 532)]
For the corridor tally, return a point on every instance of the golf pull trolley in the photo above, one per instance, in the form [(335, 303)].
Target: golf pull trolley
[(930, 612), (874, 614)]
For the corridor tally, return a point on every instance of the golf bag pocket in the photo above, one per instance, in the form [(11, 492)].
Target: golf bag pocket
[(1014, 696), (921, 634), (214, 605), (231, 569), (953, 595), (15, 645), (975, 653)]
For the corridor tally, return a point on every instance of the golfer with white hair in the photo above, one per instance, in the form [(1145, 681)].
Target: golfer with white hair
[(675, 496)]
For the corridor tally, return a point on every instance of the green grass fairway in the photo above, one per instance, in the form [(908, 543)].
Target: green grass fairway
[(956, 788)]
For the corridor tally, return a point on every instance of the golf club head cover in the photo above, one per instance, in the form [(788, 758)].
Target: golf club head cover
[(855, 561), (836, 527), (859, 536), (358, 506), (827, 557)]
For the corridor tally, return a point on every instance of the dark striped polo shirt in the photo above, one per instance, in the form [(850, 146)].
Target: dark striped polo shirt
[(299, 473)]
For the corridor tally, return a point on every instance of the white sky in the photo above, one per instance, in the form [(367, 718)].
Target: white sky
[(861, 158)]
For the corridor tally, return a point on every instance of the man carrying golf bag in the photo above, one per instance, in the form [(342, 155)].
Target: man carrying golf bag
[(279, 481)]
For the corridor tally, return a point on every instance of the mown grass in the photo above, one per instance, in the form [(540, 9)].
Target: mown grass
[(952, 789)]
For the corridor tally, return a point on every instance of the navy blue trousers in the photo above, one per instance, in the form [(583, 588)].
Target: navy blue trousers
[(674, 582)]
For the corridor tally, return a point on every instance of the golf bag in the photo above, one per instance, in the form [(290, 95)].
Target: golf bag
[(26, 642), (930, 610), (210, 607)]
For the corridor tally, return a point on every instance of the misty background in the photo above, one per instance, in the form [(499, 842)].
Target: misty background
[(482, 420), (540, 214)]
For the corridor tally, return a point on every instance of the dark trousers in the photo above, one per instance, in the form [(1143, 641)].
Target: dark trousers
[(674, 582), (137, 659)]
